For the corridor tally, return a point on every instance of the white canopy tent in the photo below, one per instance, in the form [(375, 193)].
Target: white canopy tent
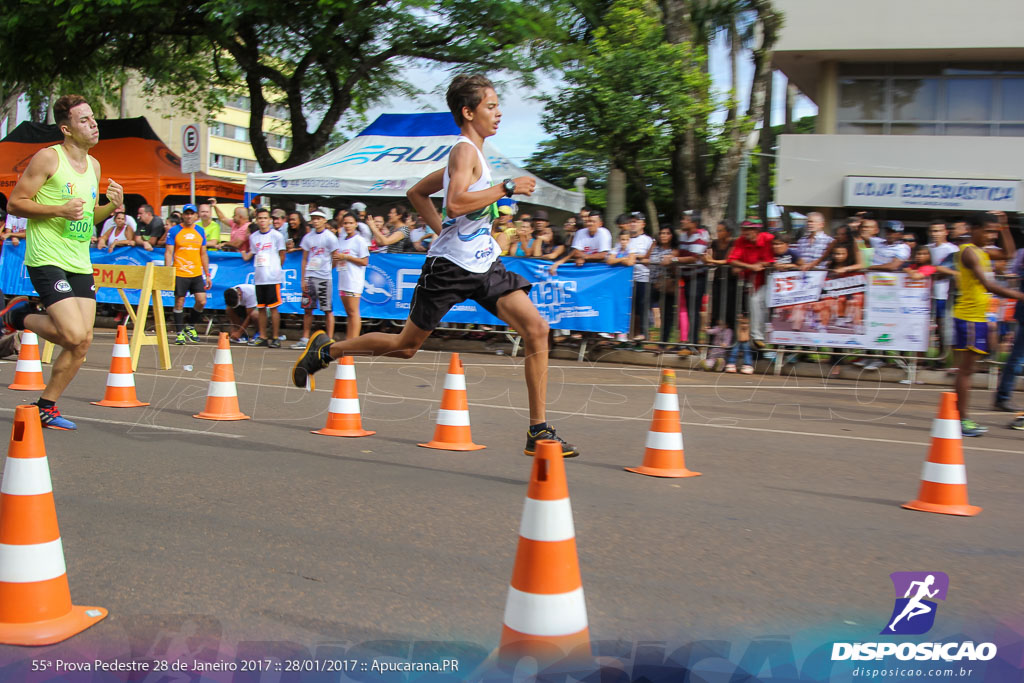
[(391, 155)]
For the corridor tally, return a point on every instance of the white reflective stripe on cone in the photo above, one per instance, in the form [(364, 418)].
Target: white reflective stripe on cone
[(944, 474), (222, 357), (547, 520), (453, 418), (665, 441), (28, 366), (666, 402), (345, 372), (455, 382), (28, 338), (26, 477), (946, 429), (122, 351), (345, 406), (222, 389), (560, 614), (31, 563), (120, 379)]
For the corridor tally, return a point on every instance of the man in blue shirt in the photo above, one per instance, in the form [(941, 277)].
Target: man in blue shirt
[(1013, 363)]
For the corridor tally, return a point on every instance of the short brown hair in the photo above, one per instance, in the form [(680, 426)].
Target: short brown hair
[(63, 106), (466, 91)]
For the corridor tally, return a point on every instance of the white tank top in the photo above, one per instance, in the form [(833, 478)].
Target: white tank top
[(466, 240)]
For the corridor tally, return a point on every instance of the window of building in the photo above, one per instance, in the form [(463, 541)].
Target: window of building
[(230, 163), (976, 99)]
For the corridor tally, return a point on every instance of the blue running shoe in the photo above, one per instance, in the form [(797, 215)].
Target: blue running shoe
[(51, 418), (16, 304)]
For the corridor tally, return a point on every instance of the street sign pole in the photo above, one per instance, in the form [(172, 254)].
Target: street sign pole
[(192, 187), (190, 156)]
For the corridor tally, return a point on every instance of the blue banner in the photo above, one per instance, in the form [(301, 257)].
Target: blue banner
[(589, 298)]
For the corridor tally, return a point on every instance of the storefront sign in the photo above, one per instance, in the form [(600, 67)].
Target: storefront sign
[(932, 193)]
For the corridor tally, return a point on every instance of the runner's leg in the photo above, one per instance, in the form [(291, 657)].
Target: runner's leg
[(73, 320), (516, 309), (405, 344)]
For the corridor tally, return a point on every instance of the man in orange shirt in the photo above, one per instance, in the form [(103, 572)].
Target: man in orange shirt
[(186, 249)]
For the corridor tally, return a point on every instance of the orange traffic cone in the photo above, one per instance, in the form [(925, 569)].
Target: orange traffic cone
[(452, 432), (120, 391), (222, 398), (663, 456), (343, 418), (944, 478), (35, 602), (28, 373), (545, 613)]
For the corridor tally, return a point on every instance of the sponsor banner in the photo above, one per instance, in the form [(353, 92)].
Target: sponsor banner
[(593, 298), (932, 193), (870, 311), (795, 287)]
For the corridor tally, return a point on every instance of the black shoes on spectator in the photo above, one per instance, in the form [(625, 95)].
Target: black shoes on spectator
[(311, 360), (1005, 406), (568, 450)]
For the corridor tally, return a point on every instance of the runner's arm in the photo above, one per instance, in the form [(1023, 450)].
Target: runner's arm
[(115, 197), (169, 255), (970, 261), (460, 200), (419, 197), (204, 257), (40, 169)]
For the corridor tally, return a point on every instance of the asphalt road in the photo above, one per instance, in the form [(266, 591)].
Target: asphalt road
[(259, 530)]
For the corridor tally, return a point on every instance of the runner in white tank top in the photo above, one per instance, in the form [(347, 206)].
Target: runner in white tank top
[(466, 240), (462, 263)]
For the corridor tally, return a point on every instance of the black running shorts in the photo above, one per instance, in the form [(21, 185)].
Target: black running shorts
[(55, 284), (443, 284), (183, 286)]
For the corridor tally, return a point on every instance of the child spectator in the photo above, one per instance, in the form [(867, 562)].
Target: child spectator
[(721, 337), (844, 260), (266, 248), (742, 345), (240, 306), (621, 256), (663, 258), (353, 255), (921, 265), (318, 249), (785, 258)]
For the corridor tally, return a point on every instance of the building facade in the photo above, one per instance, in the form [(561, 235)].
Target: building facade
[(920, 107)]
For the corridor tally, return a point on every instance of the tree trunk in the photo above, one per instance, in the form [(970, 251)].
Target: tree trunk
[(616, 194), (764, 162)]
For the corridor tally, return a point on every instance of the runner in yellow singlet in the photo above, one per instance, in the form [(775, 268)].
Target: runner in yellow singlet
[(58, 194), (970, 327)]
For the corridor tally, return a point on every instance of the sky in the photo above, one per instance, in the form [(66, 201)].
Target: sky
[(521, 132)]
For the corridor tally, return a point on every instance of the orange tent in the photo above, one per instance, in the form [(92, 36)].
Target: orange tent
[(129, 152)]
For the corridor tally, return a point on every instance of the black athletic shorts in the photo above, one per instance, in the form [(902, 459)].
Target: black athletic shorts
[(443, 284), (268, 296), (183, 286), (56, 284)]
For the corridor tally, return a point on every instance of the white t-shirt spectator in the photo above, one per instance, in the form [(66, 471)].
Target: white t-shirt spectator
[(351, 276), (940, 252), (16, 223), (884, 253), (364, 231), (640, 245), (109, 223), (418, 234), (593, 244), (247, 295), (320, 246), (266, 259)]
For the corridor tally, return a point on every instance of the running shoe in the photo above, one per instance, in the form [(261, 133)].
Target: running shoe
[(191, 336), (310, 361), (181, 339), (244, 339), (1018, 423), (263, 343), (301, 344), (568, 450), (15, 304), (971, 428), (51, 418), (274, 343)]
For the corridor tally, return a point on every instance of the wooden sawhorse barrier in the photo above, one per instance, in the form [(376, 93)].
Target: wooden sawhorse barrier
[(151, 280)]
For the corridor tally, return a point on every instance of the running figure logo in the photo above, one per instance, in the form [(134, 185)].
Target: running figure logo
[(914, 613)]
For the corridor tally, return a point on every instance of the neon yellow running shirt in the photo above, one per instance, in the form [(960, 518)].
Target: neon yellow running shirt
[(58, 241)]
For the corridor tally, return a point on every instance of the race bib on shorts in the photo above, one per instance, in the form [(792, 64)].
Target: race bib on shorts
[(79, 231)]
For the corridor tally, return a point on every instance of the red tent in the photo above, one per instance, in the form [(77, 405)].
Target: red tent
[(130, 152)]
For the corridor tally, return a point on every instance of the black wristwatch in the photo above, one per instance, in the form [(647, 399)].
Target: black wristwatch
[(510, 186)]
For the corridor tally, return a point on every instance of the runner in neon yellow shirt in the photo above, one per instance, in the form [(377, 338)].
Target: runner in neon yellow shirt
[(58, 195)]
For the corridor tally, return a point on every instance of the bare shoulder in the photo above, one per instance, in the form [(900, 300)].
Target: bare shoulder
[(44, 161), (462, 155), (95, 165)]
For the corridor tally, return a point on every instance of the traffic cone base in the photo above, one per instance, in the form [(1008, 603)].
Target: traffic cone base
[(222, 397), (944, 475), (28, 372), (452, 432), (343, 416), (120, 392), (663, 454), (35, 602)]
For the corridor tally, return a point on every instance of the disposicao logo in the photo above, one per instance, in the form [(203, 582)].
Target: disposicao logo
[(913, 614)]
